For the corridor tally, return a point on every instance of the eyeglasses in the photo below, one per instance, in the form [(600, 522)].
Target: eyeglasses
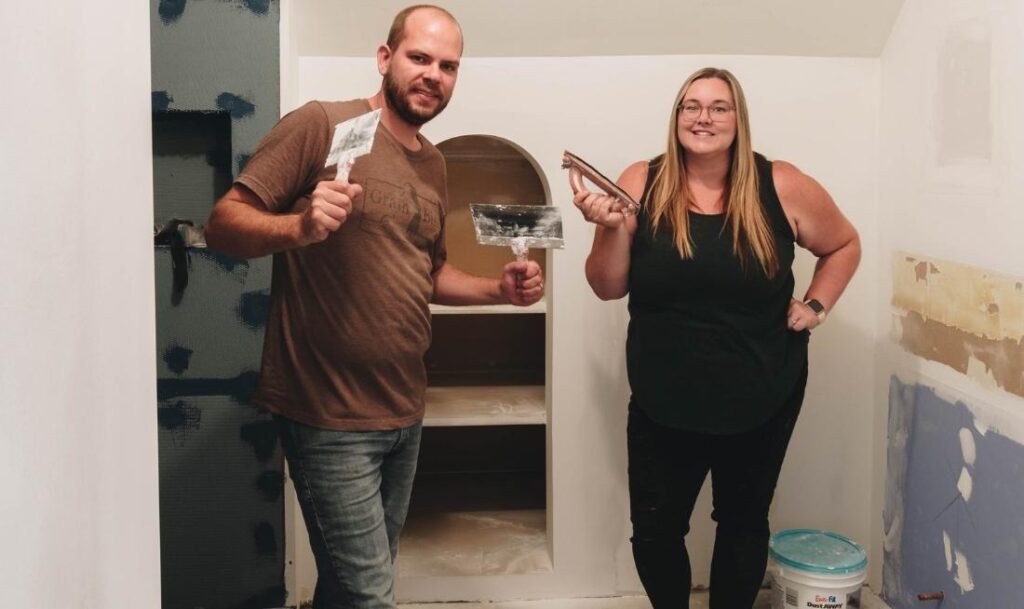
[(717, 113)]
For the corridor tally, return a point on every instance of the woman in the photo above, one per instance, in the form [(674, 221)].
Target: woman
[(717, 346)]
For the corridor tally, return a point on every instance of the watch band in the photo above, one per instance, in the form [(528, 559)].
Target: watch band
[(818, 308)]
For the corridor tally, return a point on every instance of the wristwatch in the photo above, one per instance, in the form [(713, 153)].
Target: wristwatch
[(818, 308)]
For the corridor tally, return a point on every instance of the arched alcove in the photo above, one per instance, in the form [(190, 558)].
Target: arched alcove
[(487, 169), (480, 500)]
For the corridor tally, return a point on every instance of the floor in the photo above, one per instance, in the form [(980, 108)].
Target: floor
[(475, 524), (498, 542), (698, 601)]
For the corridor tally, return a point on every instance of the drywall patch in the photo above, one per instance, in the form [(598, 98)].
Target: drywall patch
[(973, 550), (963, 101), (967, 318), (235, 105)]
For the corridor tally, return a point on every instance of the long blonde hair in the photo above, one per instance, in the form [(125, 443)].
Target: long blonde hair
[(670, 197)]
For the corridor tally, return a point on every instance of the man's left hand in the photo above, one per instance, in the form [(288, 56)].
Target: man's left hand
[(522, 283)]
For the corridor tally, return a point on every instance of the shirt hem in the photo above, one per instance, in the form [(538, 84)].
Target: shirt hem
[(341, 424)]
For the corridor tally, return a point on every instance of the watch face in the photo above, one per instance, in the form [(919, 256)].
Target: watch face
[(815, 306)]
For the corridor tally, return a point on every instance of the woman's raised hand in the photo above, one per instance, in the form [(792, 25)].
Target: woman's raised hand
[(602, 209)]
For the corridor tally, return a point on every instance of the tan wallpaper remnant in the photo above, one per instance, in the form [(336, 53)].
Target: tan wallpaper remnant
[(967, 318)]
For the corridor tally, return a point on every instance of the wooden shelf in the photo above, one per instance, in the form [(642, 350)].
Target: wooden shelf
[(485, 405), (537, 307)]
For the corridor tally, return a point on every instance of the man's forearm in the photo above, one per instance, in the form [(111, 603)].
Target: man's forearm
[(455, 287), (239, 229)]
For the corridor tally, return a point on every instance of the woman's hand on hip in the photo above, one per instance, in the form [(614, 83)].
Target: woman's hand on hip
[(801, 317)]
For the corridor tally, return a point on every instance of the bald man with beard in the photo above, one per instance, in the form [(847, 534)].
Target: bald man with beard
[(357, 262)]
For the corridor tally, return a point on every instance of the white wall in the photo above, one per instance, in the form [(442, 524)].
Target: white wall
[(951, 132), (950, 181), (79, 514), (820, 114)]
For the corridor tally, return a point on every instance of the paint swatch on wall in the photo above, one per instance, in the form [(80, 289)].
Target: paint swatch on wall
[(967, 318)]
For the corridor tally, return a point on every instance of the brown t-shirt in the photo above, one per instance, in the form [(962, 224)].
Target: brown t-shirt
[(349, 320)]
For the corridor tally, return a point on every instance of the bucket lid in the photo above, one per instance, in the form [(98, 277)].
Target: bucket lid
[(817, 551)]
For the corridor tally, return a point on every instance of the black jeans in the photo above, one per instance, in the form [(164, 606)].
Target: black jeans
[(667, 468)]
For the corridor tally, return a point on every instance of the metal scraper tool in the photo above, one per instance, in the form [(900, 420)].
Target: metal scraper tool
[(579, 169), (518, 226)]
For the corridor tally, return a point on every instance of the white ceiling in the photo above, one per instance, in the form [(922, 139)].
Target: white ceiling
[(553, 28)]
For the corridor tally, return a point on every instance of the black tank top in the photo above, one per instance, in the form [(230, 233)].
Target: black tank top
[(708, 349)]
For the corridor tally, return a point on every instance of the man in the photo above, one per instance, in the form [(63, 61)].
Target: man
[(356, 263)]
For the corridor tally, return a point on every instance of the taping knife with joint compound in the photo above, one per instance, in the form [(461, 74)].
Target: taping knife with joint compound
[(352, 139), (518, 226)]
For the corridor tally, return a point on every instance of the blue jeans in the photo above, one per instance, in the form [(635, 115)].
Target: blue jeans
[(353, 488)]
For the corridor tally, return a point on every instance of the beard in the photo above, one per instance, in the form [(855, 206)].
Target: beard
[(398, 99)]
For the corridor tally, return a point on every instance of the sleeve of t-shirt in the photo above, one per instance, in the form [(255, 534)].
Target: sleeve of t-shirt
[(288, 159)]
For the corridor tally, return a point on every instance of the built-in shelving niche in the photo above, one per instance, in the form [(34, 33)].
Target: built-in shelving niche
[(479, 504)]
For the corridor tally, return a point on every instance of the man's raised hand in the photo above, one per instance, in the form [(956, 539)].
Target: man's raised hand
[(330, 205)]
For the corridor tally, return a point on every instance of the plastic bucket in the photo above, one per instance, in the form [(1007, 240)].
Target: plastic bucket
[(814, 569)]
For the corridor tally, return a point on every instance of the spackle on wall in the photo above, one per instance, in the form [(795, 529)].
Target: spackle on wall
[(948, 546), (265, 539), (171, 10), (235, 105), (271, 484), (967, 446), (253, 307), (258, 7), (179, 415), (226, 263), (262, 437), (177, 358), (965, 485), (161, 101), (963, 573)]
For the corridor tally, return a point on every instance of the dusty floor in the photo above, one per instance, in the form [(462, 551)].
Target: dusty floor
[(699, 600)]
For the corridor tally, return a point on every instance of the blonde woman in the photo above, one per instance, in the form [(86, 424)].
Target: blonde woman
[(717, 346)]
